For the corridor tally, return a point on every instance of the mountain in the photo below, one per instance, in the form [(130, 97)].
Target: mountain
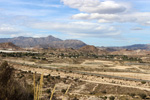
[(43, 42), (130, 52), (138, 46), (9, 46), (75, 44), (131, 47)]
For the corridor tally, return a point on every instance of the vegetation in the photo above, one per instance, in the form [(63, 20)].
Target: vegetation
[(112, 98), (43, 87), (143, 82), (142, 95), (120, 57), (10, 89)]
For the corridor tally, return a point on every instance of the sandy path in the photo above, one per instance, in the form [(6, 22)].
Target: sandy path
[(127, 74), (137, 87)]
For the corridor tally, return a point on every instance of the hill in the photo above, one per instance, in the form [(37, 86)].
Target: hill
[(9, 46), (89, 49)]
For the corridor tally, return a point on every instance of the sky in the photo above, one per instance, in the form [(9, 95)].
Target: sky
[(95, 22)]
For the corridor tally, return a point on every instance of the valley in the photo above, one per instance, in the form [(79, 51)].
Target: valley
[(91, 75)]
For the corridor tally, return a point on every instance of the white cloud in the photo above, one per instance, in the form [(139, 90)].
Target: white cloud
[(7, 29), (136, 17), (137, 28), (81, 16), (13, 31), (26, 34), (97, 6), (83, 29), (97, 16), (107, 11), (26, 12)]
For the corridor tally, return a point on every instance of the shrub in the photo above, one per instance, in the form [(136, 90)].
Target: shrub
[(104, 92), (143, 96), (104, 98), (111, 98), (132, 94), (143, 82), (63, 91), (11, 89), (48, 91), (75, 98)]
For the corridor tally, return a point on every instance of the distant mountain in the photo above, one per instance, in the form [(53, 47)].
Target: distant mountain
[(43, 42), (130, 52), (138, 46), (75, 44), (9, 46), (131, 47)]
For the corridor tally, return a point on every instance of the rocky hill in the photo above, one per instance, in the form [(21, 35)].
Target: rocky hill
[(9, 46), (89, 49), (43, 42)]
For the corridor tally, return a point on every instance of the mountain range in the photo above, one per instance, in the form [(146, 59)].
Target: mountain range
[(130, 47), (43, 42), (50, 41)]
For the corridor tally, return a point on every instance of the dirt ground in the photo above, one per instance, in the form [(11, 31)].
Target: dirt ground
[(92, 81)]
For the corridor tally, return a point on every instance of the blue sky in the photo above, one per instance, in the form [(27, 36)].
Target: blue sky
[(96, 22)]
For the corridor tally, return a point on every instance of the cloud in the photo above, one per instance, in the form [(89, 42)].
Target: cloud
[(34, 4), (82, 29), (137, 28), (81, 16), (108, 17), (135, 17), (27, 34), (26, 12), (14, 31), (7, 29), (96, 6), (107, 11)]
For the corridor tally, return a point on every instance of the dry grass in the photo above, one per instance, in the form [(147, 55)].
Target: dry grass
[(38, 87), (10, 88), (66, 91), (52, 92)]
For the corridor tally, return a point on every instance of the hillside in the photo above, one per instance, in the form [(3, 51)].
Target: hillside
[(89, 49), (9, 46)]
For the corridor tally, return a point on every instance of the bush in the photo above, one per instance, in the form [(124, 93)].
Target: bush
[(111, 98), (11, 89), (143, 82), (75, 98), (48, 91), (104, 92), (63, 91), (143, 96), (132, 94), (104, 98)]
